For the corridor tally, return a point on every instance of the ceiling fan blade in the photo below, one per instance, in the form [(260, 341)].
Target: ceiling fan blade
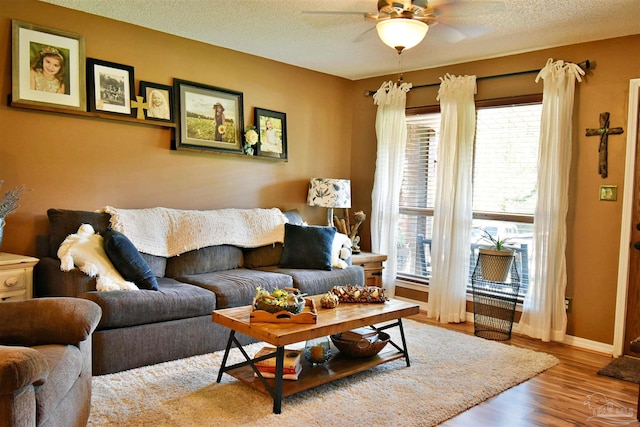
[(471, 31), (465, 8), (446, 32), (363, 35), (454, 33), (332, 19), (333, 12)]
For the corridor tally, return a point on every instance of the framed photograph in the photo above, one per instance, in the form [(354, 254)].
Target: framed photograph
[(159, 100), (609, 193), (48, 67), (208, 117), (110, 87), (272, 131)]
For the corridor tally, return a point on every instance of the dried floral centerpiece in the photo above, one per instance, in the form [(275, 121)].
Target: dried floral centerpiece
[(289, 299)]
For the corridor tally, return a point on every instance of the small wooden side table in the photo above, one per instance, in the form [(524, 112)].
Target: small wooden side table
[(372, 264), (16, 277)]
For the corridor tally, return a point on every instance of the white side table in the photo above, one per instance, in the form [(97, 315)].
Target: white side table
[(16, 277)]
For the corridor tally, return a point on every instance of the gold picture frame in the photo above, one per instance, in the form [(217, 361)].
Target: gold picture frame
[(48, 68), (609, 193)]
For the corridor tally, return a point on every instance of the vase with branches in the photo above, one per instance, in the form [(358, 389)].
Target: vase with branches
[(9, 204)]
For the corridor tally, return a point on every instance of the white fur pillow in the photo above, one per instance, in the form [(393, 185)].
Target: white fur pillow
[(85, 250), (340, 250)]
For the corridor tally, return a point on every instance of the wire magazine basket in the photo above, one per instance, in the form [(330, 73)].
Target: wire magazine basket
[(494, 301)]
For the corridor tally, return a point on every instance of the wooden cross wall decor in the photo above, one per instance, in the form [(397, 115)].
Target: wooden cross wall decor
[(604, 131), (141, 106)]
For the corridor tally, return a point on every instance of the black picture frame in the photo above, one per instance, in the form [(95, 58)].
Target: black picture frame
[(197, 127), (110, 87), (155, 111), (30, 44), (272, 133)]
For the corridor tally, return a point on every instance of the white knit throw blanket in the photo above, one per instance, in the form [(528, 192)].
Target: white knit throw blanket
[(168, 232)]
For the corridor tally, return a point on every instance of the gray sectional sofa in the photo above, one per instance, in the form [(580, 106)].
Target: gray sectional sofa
[(145, 327)]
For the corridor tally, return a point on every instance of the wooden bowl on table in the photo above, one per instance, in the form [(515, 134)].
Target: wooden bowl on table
[(362, 348)]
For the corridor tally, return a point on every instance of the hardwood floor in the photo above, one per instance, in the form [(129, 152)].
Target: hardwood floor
[(556, 397)]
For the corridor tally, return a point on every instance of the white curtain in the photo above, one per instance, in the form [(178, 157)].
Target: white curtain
[(543, 313), (391, 132), (453, 203)]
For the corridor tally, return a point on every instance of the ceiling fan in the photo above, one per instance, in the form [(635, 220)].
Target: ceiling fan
[(407, 9), (402, 24)]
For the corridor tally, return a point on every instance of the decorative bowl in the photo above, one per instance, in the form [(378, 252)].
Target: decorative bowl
[(276, 300), (362, 348), (329, 300), (273, 308)]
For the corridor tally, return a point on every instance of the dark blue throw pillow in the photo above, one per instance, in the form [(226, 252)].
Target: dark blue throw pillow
[(307, 247), (128, 261)]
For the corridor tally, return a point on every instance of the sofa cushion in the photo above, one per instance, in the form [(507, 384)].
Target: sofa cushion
[(314, 282), (173, 300), (65, 364), (63, 222), (20, 367), (128, 261), (85, 250), (204, 260), (307, 247), (157, 264), (39, 321), (262, 256), (234, 288)]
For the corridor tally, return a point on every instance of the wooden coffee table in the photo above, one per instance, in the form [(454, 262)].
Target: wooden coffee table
[(329, 321)]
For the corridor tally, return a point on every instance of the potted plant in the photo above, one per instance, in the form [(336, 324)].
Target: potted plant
[(497, 259)]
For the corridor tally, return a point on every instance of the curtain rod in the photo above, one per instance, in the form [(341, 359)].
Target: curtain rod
[(585, 65)]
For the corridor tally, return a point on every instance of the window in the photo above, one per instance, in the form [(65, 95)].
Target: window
[(504, 184)]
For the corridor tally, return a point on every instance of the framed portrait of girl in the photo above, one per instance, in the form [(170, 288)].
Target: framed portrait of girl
[(208, 118), (272, 133), (159, 100), (48, 67)]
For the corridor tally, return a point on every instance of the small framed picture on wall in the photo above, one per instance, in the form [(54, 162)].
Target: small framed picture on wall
[(159, 100), (272, 131), (48, 67), (110, 87)]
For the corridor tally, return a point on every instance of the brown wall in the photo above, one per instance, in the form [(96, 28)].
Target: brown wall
[(593, 226), (81, 163)]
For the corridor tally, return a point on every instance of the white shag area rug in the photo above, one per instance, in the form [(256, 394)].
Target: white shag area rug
[(449, 373)]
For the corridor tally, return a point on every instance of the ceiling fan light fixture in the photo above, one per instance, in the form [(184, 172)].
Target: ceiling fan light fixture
[(401, 33)]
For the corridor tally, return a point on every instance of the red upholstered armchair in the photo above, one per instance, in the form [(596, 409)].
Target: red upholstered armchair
[(45, 361)]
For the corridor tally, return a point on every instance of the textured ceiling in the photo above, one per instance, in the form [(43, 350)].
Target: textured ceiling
[(346, 45)]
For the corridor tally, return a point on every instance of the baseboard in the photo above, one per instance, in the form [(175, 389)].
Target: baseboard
[(569, 340), (588, 344)]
